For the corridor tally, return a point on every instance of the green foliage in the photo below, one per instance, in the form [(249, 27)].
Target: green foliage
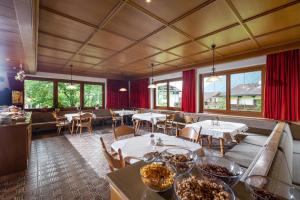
[(68, 98), (92, 95), (38, 94)]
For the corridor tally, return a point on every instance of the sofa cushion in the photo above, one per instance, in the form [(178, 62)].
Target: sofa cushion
[(279, 169), (243, 153), (286, 146), (296, 146), (255, 139), (296, 169)]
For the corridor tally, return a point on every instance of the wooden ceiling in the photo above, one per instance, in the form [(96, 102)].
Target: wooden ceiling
[(120, 38), (18, 33), (11, 54)]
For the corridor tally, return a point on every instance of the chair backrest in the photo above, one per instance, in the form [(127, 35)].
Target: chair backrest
[(188, 119), (123, 130), (55, 116), (170, 118), (112, 162), (86, 118), (191, 133)]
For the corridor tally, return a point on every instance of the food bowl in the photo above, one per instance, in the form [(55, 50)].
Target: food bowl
[(196, 186), (157, 177), (262, 188), (220, 168), (182, 159)]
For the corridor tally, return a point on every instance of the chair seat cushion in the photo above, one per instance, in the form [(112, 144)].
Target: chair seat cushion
[(243, 153), (255, 139)]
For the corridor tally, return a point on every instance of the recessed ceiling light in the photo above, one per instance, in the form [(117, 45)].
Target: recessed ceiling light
[(7, 59), (148, 1)]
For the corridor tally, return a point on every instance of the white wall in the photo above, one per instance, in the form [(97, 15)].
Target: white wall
[(206, 69), (74, 77)]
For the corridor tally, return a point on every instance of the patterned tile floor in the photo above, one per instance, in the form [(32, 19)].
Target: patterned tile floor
[(65, 167), (56, 171)]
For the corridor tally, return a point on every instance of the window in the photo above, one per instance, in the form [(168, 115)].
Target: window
[(175, 94), (215, 94), (162, 95), (168, 94), (237, 91), (93, 95), (38, 94), (68, 98), (245, 91)]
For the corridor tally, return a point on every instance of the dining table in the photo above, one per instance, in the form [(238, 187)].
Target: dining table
[(151, 117), (72, 117), (224, 131), (136, 147), (123, 113)]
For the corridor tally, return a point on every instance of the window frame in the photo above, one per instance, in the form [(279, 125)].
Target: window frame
[(55, 93), (168, 95), (228, 74)]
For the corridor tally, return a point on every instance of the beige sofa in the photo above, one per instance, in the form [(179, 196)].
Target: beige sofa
[(279, 158)]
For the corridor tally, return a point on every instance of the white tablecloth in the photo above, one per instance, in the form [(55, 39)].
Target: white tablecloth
[(71, 115), (150, 117), (138, 146), (125, 112), (223, 130)]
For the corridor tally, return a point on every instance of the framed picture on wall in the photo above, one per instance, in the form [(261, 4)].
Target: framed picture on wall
[(17, 97)]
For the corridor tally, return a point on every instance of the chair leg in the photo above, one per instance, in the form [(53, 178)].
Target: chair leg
[(80, 130), (77, 129)]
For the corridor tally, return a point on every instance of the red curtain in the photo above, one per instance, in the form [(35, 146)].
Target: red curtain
[(139, 93), (282, 87), (189, 91), (116, 98)]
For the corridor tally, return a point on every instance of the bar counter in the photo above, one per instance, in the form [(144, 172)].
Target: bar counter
[(127, 184), (15, 145)]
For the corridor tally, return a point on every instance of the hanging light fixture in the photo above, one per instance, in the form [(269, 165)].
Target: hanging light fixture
[(71, 86), (123, 89), (20, 76), (152, 85), (213, 77)]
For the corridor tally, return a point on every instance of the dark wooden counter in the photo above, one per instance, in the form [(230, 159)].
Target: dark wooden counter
[(15, 145), (127, 184)]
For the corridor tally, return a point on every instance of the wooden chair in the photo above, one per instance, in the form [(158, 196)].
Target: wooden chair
[(84, 121), (168, 124), (122, 131), (188, 119), (115, 118), (61, 122), (190, 133), (112, 161)]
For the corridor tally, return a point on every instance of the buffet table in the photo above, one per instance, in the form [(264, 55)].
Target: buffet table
[(15, 145), (127, 184)]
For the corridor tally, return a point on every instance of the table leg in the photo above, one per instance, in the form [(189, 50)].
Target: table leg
[(73, 124), (122, 122), (222, 146), (209, 138), (152, 127)]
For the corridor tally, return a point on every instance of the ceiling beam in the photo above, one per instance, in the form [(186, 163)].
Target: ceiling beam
[(239, 18), (100, 26), (27, 13)]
